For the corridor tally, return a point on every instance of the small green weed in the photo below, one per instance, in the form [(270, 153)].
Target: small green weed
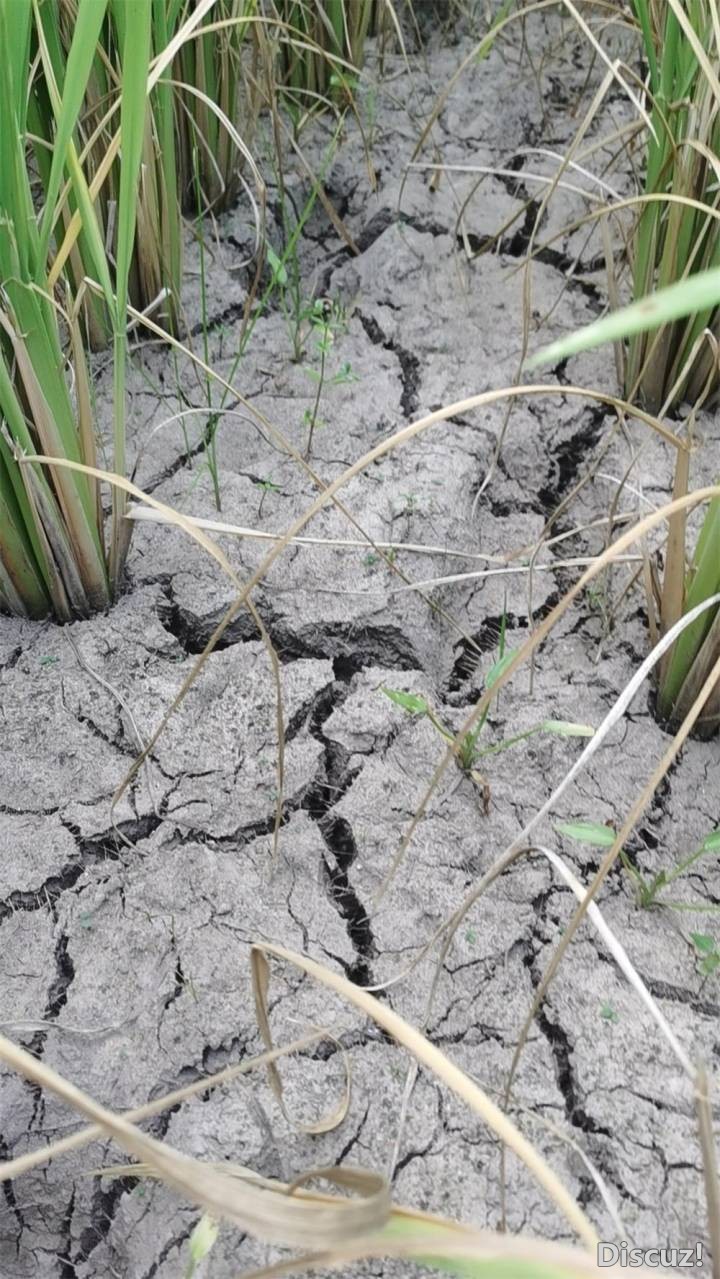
[(266, 486), (647, 891), (468, 750), (202, 1240), (327, 320), (285, 269), (708, 954)]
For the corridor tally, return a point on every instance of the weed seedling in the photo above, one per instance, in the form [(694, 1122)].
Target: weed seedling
[(326, 320), (707, 951), (647, 891), (607, 1012), (202, 1241), (468, 752), (266, 486), (345, 374)]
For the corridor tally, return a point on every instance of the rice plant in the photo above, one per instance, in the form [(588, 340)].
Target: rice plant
[(689, 579), (89, 115), (320, 38), (53, 551), (156, 266), (209, 70), (190, 154), (672, 327), (678, 231)]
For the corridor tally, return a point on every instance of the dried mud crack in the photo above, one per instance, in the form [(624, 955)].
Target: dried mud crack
[(409, 363)]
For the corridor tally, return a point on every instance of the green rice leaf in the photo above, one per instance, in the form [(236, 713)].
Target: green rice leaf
[(566, 728), (673, 303), (279, 274), (498, 668), (439, 1233), (202, 1240), (134, 22), (592, 833), (704, 582), (408, 701), (21, 577), (89, 20), (494, 1268), (711, 842)]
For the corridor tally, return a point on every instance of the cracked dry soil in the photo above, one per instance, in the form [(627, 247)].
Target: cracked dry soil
[(124, 952)]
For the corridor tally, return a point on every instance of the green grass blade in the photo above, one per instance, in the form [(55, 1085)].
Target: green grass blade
[(134, 23), (133, 20), (673, 303), (704, 582), (90, 17), (163, 107), (455, 1262), (63, 92), (643, 16), (21, 577)]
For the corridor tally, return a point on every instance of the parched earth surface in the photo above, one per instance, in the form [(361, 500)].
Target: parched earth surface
[(125, 935)]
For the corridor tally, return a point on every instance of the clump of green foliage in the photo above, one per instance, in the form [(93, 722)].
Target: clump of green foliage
[(53, 551), (213, 88), (469, 750), (648, 891), (673, 325), (323, 45), (678, 231)]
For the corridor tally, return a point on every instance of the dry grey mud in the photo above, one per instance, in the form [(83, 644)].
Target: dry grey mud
[(124, 960)]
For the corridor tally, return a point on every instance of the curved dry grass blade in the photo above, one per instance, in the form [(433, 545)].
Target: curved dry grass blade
[(148, 515), (237, 141), (621, 957), (703, 1107), (608, 862), (612, 67), (35, 1158), (445, 1245), (429, 1056), (268, 1212), (261, 975), (576, 561)]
